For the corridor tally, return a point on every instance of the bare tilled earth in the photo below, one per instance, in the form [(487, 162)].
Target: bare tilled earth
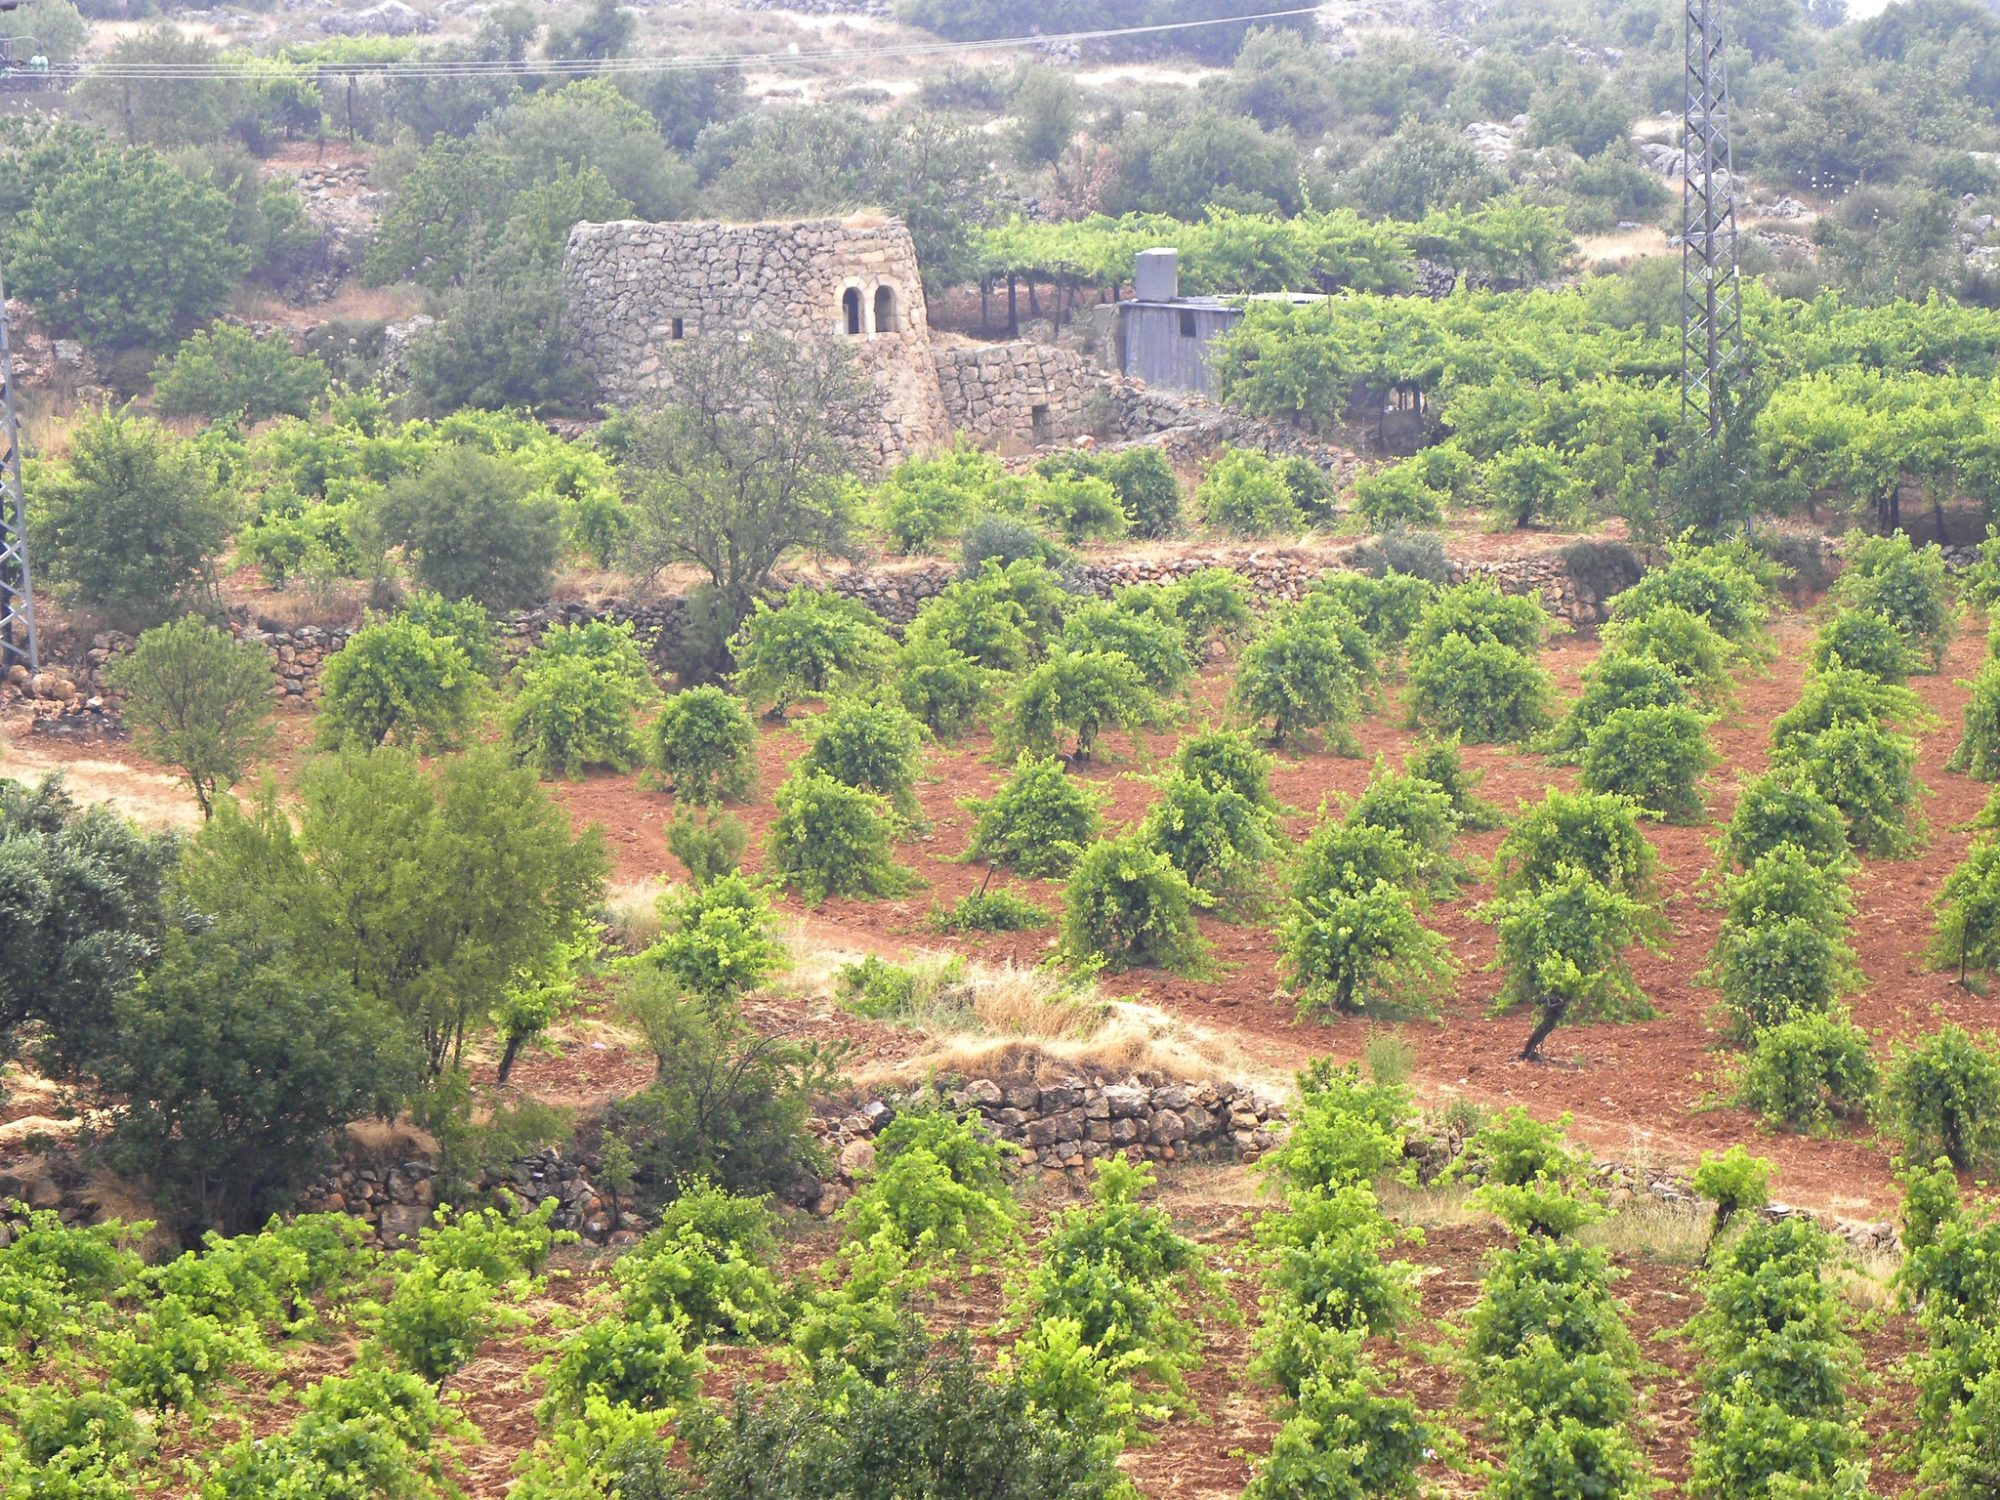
[(1647, 1092)]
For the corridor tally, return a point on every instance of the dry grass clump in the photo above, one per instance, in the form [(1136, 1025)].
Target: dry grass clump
[(632, 913)]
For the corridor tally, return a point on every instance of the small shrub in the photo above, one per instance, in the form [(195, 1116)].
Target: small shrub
[(1306, 673), (1210, 602), (572, 711), (1156, 648), (1420, 813), (1778, 808), (1865, 641), (1351, 950), (1397, 496), (197, 700), (1592, 831), (1968, 908), (1978, 752), (644, 1364), (171, 1357), (1547, 1288), (1387, 607), (1867, 773), (1215, 836), (705, 746), (1530, 482), (988, 911), (1903, 583), (1684, 643), (1571, 1457), (1602, 569), (1733, 1181), (883, 991), (876, 747), (1070, 698), (228, 371), (1942, 1097), (1311, 488), (831, 839), (1614, 682), (936, 1196), (1143, 479), (927, 499), (1128, 907), (715, 940), (1417, 554), (437, 1317), (1725, 585), (1839, 696), (1486, 693), (1345, 1439), (1245, 494), (1479, 612), (1081, 509), (1654, 756), (394, 678), (946, 690), (983, 618), (707, 847), (707, 1268), (1038, 822), (811, 644), (1806, 1072), (1562, 948), (1002, 541), (474, 528)]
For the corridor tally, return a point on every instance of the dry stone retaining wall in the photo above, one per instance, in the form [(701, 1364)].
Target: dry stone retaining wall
[(1019, 394)]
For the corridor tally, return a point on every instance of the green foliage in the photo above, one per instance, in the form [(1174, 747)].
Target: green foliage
[(1942, 1096), (395, 678), (1345, 1439), (727, 1103), (1614, 682), (1903, 583), (1532, 482), (1721, 584), (1654, 756), (641, 1363), (1344, 1132), (708, 847), (812, 644), (1211, 602), (1226, 759), (1782, 953), (473, 528), (229, 371), (198, 700), (1840, 696), (1388, 607), (1968, 908), (1867, 773), (1562, 948), (577, 700), (705, 745), (376, 1432), (1038, 822), (927, 499), (716, 940), (1080, 508), (438, 1316), (462, 621), (1417, 811), (1070, 698), (1214, 835), (1571, 1457), (988, 911), (1778, 808), (1547, 1288), (1157, 648), (883, 991), (88, 253), (705, 1273), (170, 1356), (937, 1195), (1127, 906), (130, 524), (1325, 1266), (1694, 651), (1438, 761), (1978, 752), (1531, 1179), (1000, 618), (1733, 1181), (1807, 1072), (1867, 641), (831, 839), (1483, 692), (945, 689), (1245, 494), (1142, 478), (876, 747), (1479, 612), (1592, 831), (1397, 496), (1306, 672)]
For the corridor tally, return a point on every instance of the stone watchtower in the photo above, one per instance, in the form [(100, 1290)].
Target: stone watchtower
[(634, 291)]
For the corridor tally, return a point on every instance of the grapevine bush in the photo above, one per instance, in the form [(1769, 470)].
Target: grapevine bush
[(704, 744), (1127, 906), (831, 839), (1038, 822)]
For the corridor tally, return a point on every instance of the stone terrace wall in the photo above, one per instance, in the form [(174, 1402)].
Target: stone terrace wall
[(626, 283), (992, 391)]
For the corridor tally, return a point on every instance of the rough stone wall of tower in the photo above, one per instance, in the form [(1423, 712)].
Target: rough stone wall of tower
[(637, 293)]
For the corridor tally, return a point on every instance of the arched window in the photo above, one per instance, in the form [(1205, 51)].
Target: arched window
[(850, 307), (885, 309)]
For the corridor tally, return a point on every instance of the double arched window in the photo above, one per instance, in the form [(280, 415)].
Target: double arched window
[(854, 310)]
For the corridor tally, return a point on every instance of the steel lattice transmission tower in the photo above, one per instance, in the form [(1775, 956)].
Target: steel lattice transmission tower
[(17, 586), (1711, 307)]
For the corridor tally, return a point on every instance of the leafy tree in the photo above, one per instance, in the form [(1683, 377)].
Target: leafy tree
[(1942, 1096), (80, 898), (1156, 647), (1805, 1072), (984, 618), (1968, 908), (198, 700), (394, 677), (733, 493), (705, 744), (1396, 496), (462, 621), (227, 370), (578, 698), (1484, 692), (1865, 772), (1531, 482), (1353, 947), (1439, 762), (812, 644), (877, 747), (1840, 697), (1596, 832), (1655, 756), (1143, 478), (435, 891), (1978, 752), (1070, 698), (1719, 583), (473, 528), (1867, 641), (1309, 670), (1562, 947), (1218, 838), (707, 847), (1388, 607), (1127, 906), (235, 1061), (131, 523), (1038, 822), (831, 839), (89, 254), (1778, 808), (1420, 169), (946, 690), (1417, 811), (928, 498), (716, 941), (1245, 493)]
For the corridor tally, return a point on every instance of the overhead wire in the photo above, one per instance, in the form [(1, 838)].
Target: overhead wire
[(253, 67)]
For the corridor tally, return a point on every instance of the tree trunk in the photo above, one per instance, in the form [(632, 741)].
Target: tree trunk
[(509, 1054), (1013, 308), (1552, 1014)]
